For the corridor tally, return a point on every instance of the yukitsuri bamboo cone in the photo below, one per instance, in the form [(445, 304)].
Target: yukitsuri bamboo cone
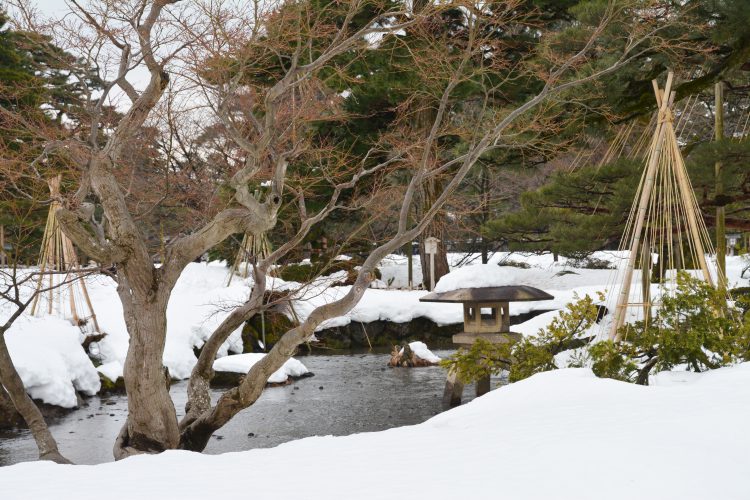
[(655, 151), (256, 247), (59, 256), (664, 142), (252, 247)]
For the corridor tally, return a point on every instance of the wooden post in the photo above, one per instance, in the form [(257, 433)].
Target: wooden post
[(432, 271), (721, 242), (431, 249), (408, 250)]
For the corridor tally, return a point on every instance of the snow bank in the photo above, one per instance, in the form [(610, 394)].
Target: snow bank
[(49, 358), (421, 350), (399, 306), (241, 363), (562, 435), (112, 370)]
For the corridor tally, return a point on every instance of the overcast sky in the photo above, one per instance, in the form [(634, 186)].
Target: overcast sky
[(52, 6)]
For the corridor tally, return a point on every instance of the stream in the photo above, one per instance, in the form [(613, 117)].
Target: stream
[(349, 393)]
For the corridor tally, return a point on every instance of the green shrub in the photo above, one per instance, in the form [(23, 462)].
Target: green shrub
[(694, 327), (741, 298)]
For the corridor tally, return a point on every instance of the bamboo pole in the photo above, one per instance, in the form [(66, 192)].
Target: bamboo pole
[(665, 194), (688, 199)]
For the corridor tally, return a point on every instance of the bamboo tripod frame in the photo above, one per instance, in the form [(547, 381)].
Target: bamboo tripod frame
[(252, 247), (666, 208), (66, 295)]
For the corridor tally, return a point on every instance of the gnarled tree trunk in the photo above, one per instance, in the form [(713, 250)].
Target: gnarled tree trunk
[(152, 423)]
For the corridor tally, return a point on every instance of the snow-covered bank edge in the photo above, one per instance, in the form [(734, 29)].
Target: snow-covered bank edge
[(48, 356)]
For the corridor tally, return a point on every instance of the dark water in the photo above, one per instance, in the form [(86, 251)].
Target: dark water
[(349, 393)]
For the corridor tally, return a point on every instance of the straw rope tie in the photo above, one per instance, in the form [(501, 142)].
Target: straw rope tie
[(666, 116)]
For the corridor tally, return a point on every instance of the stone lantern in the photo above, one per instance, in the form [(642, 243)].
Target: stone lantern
[(486, 316)]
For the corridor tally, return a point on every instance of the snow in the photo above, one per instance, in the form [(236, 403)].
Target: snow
[(241, 363), (477, 276), (531, 327), (421, 350), (563, 434), (400, 306), (48, 356), (199, 302), (112, 370)]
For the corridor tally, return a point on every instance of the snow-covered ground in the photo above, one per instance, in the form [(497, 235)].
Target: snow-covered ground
[(563, 434), (201, 300), (560, 279)]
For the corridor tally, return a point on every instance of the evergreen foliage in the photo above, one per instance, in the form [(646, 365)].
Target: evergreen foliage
[(37, 89), (693, 328), (575, 213), (580, 212)]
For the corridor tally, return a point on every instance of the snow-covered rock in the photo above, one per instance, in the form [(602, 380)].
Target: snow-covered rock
[(241, 363), (563, 434), (421, 350)]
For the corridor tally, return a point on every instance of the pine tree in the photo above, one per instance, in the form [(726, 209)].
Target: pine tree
[(36, 84)]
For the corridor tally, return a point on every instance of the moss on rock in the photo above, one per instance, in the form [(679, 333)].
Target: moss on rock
[(276, 324), (111, 387)]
